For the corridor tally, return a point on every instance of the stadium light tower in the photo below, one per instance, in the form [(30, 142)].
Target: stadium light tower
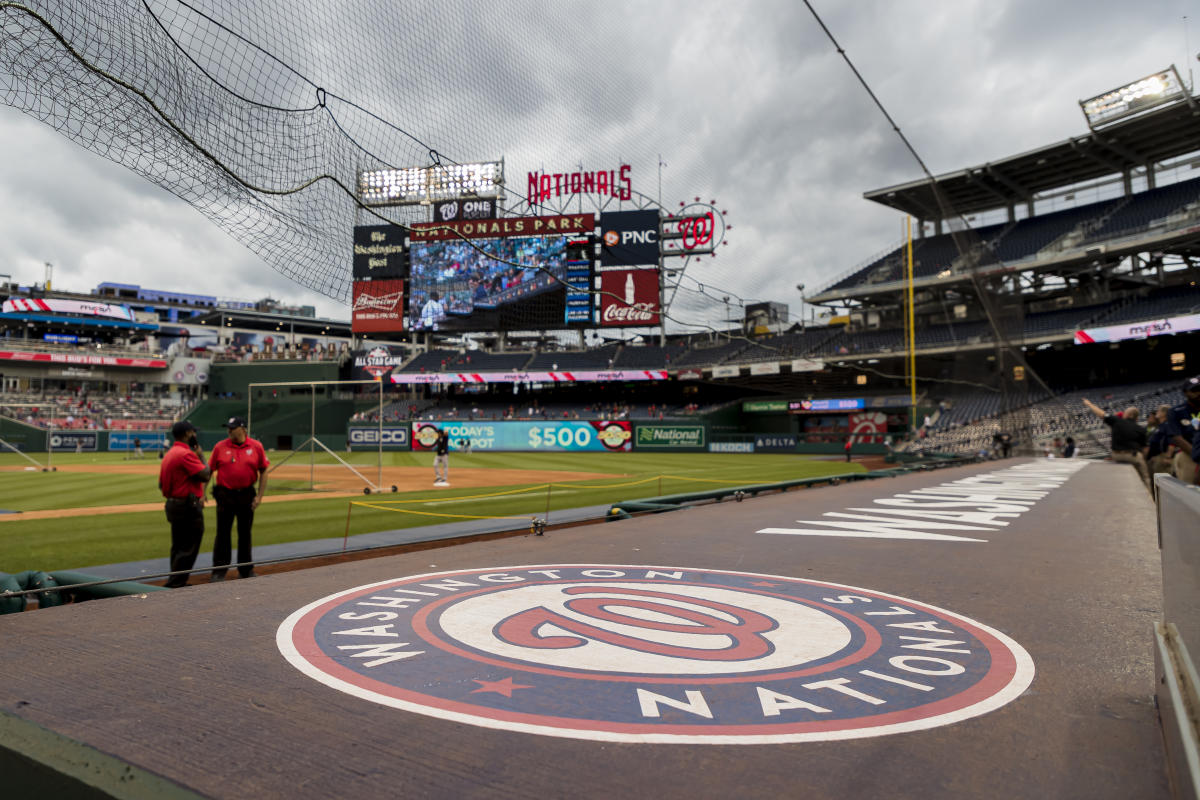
[(800, 288), (1133, 98)]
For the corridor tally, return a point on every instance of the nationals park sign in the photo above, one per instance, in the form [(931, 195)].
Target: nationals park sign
[(625, 653)]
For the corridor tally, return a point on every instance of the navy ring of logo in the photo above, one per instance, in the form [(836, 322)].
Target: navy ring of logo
[(655, 654)]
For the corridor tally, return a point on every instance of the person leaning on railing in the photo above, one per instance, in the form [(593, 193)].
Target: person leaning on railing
[(1128, 438)]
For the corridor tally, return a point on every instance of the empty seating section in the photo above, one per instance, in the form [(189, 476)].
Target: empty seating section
[(432, 361), (1145, 209), (1063, 320), (968, 421), (1159, 304), (716, 354), (1029, 236), (479, 361), (649, 356), (567, 360), (1025, 238)]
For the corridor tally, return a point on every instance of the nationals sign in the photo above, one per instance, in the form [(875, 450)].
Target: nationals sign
[(629, 298), (655, 654)]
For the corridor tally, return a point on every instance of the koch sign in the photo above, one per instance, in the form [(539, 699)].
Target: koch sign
[(628, 238)]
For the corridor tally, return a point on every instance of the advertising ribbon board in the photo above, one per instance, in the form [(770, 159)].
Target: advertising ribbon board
[(69, 441), (1138, 330), (367, 437), (774, 443), (762, 406), (669, 437), (123, 441), (514, 436)]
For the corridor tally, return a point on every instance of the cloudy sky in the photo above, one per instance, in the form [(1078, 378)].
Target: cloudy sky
[(746, 103)]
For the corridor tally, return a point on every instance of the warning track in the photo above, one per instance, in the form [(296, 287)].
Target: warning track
[(1003, 656)]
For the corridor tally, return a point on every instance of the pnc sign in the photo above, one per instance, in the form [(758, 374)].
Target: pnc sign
[(624, 653)]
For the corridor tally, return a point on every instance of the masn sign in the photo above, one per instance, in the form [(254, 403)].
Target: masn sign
[(669, 437)]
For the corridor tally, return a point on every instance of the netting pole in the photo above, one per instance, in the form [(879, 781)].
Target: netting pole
[(312, 444), (50, 440), (912, 333), (379, 477)]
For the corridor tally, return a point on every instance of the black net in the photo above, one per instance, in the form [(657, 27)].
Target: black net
[(262, 114)]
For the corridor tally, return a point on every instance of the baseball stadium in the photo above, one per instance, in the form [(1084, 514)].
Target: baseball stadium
[(541, 497)]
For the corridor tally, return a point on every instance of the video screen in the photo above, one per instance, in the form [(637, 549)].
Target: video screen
[(457, 286)]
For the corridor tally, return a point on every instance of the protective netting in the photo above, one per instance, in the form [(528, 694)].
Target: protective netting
[(260, 114)]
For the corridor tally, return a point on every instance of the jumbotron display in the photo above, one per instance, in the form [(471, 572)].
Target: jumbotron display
[(495, 274), (454, 282)]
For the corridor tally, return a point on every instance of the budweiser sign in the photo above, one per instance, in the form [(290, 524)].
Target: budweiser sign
[(378, 306), (629, 298)]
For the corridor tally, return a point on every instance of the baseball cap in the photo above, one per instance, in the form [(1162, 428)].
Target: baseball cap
[(235, 422), (1192, 384), (182, 428)]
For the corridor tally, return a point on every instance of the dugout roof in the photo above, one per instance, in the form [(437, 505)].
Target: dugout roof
[(1164, 133)]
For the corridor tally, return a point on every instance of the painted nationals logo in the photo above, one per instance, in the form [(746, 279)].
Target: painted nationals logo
[(655, 654)]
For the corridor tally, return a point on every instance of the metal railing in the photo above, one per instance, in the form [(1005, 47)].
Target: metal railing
[(1177, 688)]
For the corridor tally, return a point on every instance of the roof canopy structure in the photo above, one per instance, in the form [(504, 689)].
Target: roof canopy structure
[(1164, 133)]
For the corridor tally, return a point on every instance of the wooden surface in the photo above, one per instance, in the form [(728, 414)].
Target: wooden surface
[(190, 684)]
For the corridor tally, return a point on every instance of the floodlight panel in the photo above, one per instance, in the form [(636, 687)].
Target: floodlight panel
[(413, 185), (1148, 92)]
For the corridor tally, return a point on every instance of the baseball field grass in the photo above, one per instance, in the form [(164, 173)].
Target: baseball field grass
[(98, 481)]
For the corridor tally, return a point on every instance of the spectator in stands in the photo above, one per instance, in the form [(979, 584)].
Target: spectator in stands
[(1181, 424), (1068, 450), (1158, 453), (1128, 438)]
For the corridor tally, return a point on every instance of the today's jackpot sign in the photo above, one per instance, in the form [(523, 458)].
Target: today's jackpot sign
[(655, 654)]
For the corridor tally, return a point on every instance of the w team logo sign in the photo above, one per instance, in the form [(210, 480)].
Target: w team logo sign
[(655, 654)]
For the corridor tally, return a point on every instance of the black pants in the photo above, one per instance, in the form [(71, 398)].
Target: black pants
[(233, 504), (187, 529)]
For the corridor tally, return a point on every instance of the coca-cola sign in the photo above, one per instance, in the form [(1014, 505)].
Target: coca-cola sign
[(378, 306), (629, 298)]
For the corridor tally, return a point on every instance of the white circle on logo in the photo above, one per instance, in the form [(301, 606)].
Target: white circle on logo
[(801, 633)]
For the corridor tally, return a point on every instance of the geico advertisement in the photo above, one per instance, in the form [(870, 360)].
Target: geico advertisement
[(568, 436), (363, 436)]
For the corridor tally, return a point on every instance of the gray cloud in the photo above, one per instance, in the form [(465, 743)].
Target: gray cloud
[(747, 103)]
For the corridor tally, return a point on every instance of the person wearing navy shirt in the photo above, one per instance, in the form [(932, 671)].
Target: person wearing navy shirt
[(181, 479), (239, 463), (1128, 438), (1182, 422)]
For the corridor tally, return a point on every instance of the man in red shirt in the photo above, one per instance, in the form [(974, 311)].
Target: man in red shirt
[(181, 478), (239, 462)]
